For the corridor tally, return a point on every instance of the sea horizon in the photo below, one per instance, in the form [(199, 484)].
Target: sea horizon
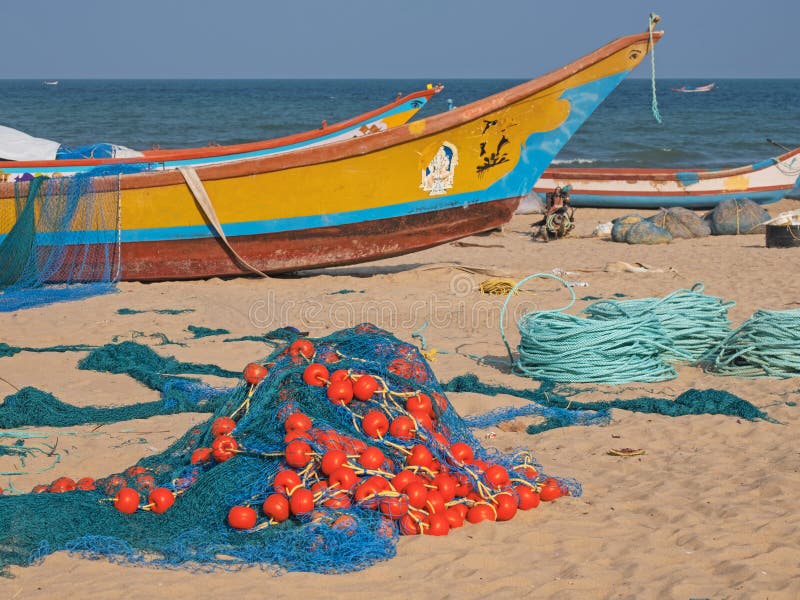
[(728, 126)]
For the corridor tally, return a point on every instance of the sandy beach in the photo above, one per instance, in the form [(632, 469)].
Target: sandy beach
[(709, 511)]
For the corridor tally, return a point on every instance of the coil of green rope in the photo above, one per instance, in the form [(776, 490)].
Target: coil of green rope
[(695, 322), (565, 348), (766, 345)]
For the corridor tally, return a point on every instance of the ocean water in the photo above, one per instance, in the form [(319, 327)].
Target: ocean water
[(728, 126)]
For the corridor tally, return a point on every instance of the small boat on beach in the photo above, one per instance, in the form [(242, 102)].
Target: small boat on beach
[(690, 90), (24, 157), (763, 182), (395, 191)]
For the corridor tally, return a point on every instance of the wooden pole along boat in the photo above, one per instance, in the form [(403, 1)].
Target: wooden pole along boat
[(404, 189), (763, 182), (398, 112)]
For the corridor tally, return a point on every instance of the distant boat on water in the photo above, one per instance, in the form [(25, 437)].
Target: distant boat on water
[(701, 88), (53, 82)]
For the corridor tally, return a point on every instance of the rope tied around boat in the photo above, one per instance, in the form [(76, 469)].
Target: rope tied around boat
[(565, 348), (653, 19)]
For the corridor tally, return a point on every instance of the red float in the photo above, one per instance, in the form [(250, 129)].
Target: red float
[(417, 494), (242, 517), (454, 517), (528, 497), (160, 499), (85, 483), (422, 419), (445, 485), (286, 482), (298, 454), (223, 448), (339, 375), (372, 458), (402, 427), (127, 500), (253, 373), (481, 512), (301, 502), (462, 452), (343, 478), (434, 503), (394, 508), (276, 507), (550, 490), (402, 479), (496, 476), (375, 424), (332, 460), (438, 524), (61, 485), (297, 422), (420, 456), (222, 426), (340, 392), (201, 455), (302, 348), (420, 403), (364, 387), (338, 499), (505, 506), (409, 525), (315, 374)]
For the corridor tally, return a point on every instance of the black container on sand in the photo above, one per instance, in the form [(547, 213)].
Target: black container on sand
[(783, 236)]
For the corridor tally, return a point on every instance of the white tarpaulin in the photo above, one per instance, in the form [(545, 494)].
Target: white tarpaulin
[(16, 145)]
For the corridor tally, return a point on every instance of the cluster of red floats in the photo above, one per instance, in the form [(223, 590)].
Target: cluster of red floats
[(127, 499), (427, 485), (433, 487)]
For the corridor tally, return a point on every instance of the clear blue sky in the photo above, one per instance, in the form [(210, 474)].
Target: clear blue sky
[(437, 39)]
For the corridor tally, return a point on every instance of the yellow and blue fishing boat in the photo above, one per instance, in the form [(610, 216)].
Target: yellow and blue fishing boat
[(392, 192)]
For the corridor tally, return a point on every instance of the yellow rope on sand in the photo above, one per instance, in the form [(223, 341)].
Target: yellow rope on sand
[(498, 286), (430, 355)]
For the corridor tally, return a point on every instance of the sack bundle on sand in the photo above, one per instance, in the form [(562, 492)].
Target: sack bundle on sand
[(621, 225), (681, 222), (635, 229), (647, 232), (735, 217)]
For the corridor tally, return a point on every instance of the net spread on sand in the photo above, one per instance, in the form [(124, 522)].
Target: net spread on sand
[(323, 518), (327, 451)]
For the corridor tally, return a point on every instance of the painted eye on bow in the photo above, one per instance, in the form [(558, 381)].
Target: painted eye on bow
[(634, 54)]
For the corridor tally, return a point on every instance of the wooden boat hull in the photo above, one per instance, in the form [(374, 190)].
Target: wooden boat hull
[(764, 182), (388, 193), (288, 251)]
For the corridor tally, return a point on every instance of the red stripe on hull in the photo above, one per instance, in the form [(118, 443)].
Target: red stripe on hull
[(311, 248), (656, 193)]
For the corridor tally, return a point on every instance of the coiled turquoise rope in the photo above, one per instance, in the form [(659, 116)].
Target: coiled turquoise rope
[(766, 345), (696, 323), (565, 348)]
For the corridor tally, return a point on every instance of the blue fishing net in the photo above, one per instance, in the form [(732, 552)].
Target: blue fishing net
[(342, 532), (63, 239)]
